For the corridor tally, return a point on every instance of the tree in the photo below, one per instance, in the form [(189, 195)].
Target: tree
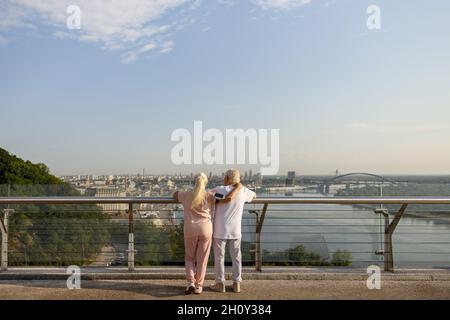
[(48, 234), (342, 258)]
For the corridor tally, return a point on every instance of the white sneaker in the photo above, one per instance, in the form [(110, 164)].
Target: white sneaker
[(198, 290), (236, 287), (219, 287)]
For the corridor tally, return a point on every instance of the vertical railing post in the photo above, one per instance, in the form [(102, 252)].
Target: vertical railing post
[(258, 249), (388, 254), (257, 245), (389, 228), (389, 231), (4, 230), (130, 238)]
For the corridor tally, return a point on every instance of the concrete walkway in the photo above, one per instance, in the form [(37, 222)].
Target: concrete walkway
[(251, 289), (271, 284)]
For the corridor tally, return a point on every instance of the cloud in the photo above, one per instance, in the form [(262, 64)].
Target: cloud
[(167, 47), (281, 4), (133, 26), (132, 55), (11, 16)]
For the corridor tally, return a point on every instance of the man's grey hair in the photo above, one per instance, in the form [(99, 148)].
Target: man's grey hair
[(234, 176)]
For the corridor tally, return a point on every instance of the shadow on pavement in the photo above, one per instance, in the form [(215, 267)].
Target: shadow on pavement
[(148, 288)]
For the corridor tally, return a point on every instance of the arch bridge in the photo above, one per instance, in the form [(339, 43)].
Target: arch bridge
[(324, 187)]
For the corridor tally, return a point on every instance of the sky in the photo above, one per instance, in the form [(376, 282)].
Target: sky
[(106, 98)]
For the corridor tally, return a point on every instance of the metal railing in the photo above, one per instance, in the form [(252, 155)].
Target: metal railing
[(261, 213)]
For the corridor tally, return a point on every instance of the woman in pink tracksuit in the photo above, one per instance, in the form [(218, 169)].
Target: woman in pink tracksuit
[(198, 205)]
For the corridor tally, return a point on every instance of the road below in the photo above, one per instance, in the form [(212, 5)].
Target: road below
[(104, 258)]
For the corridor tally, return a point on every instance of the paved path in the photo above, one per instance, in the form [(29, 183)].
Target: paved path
[(272, 283), (251, 289), (105, 257)]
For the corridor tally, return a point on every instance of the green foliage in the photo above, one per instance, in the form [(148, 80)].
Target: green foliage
[(342, 258), (177, 243), (16, 171), (56, 236), (299, 256), (153, 244), (48, 234)]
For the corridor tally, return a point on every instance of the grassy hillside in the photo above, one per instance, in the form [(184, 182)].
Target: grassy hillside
[(48, 234)]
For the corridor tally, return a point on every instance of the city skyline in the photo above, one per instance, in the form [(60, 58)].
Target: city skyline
[(106, 98)]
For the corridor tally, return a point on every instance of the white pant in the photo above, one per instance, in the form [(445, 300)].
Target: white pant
[(234, 246)]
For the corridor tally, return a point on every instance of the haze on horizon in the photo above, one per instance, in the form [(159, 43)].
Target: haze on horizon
[(105, 99)]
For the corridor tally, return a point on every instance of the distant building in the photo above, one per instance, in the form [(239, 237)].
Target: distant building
[(108, 192), (170, 185), (258, 179), (100, 182), (290, 179)]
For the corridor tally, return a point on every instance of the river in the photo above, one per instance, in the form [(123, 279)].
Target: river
[(324, 229)]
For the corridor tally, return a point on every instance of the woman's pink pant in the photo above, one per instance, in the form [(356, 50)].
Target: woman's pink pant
[(197, 249)]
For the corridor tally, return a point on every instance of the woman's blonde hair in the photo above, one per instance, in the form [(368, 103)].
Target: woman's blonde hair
[(199, 192)]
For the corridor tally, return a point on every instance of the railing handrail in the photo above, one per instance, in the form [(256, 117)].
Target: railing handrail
[(259, 200)]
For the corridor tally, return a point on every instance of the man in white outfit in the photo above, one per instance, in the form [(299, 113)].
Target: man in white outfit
[(227, 228)]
